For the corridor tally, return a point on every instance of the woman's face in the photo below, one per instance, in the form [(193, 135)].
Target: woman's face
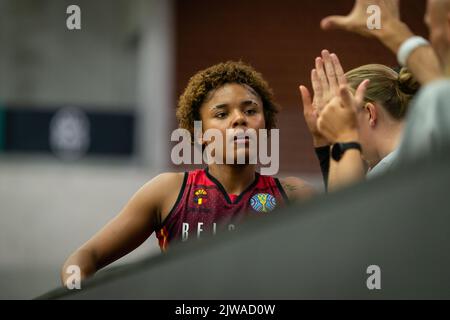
[(236, 107)]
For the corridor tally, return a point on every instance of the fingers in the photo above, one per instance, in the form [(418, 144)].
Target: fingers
[(340, 75), (355, 21), (348, 101), (321, 74), (361, 91), (311, 117), (317, 87), (330, 72), (333, 22), (306, 98)]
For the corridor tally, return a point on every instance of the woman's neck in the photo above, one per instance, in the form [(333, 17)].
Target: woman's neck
[(234, 178), (388, 142)]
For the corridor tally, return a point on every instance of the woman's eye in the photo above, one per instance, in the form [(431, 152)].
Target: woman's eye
[(250, 111), (220, 115)]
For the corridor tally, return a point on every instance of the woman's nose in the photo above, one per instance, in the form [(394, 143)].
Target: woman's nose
[(239, 119)]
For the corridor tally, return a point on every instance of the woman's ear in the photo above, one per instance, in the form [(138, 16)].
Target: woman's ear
[(372, 114)]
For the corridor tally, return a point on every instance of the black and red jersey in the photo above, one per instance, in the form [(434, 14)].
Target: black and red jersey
[(204, 207)]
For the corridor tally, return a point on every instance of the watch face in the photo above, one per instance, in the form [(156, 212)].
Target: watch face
[(336, 151)]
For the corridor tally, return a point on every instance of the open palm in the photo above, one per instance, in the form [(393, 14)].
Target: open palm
[(326, 78)]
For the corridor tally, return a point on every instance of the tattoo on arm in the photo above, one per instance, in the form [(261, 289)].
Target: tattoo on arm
[(289, 187), (295, 191)]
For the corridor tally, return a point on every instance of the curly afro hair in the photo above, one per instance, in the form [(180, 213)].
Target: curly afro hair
[(215, 77)]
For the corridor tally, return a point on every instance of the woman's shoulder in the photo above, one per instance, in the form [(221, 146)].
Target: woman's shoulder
[(166, 181), (160, 186), (160, 191)]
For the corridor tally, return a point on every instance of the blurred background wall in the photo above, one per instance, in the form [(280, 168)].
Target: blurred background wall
[(281, 40), (86, 115)]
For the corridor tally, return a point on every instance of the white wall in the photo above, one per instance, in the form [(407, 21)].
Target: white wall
[(44, 63), (48, 209)]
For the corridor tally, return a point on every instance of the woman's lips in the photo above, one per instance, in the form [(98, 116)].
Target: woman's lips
[(241, 139)]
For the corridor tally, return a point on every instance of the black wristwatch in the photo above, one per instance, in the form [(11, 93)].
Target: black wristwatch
[(338, 149)]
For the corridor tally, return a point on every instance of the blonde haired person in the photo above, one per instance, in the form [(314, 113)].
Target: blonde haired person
[(377, 124), (427, 129), (381, 117)]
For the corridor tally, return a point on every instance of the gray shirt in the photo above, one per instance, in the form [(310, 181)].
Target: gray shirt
[(384, 165), (427, 127)]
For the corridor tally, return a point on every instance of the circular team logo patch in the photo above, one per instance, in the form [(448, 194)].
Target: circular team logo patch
[(263, 202)]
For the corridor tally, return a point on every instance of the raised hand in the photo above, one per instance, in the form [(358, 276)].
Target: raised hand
[(423, 62), (356, 21), (337, 122), (326, 78), (311, 115)]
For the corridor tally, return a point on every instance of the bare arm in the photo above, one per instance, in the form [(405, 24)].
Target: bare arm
[(326, 78), (338, 123), (130, 228), (349, 169), (423, 62), (297, 189)]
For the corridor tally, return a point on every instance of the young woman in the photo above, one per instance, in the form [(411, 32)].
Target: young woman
[(376, 125), (183, 206)]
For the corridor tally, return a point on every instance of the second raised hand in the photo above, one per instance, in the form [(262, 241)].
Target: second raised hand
[(339, 71), (330, 72), (334, 72), (326, 79)]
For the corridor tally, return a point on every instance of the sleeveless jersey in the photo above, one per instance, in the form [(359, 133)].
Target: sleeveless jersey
[(204, 207)]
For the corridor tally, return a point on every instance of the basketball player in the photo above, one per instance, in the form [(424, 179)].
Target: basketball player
[(184, 206)]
